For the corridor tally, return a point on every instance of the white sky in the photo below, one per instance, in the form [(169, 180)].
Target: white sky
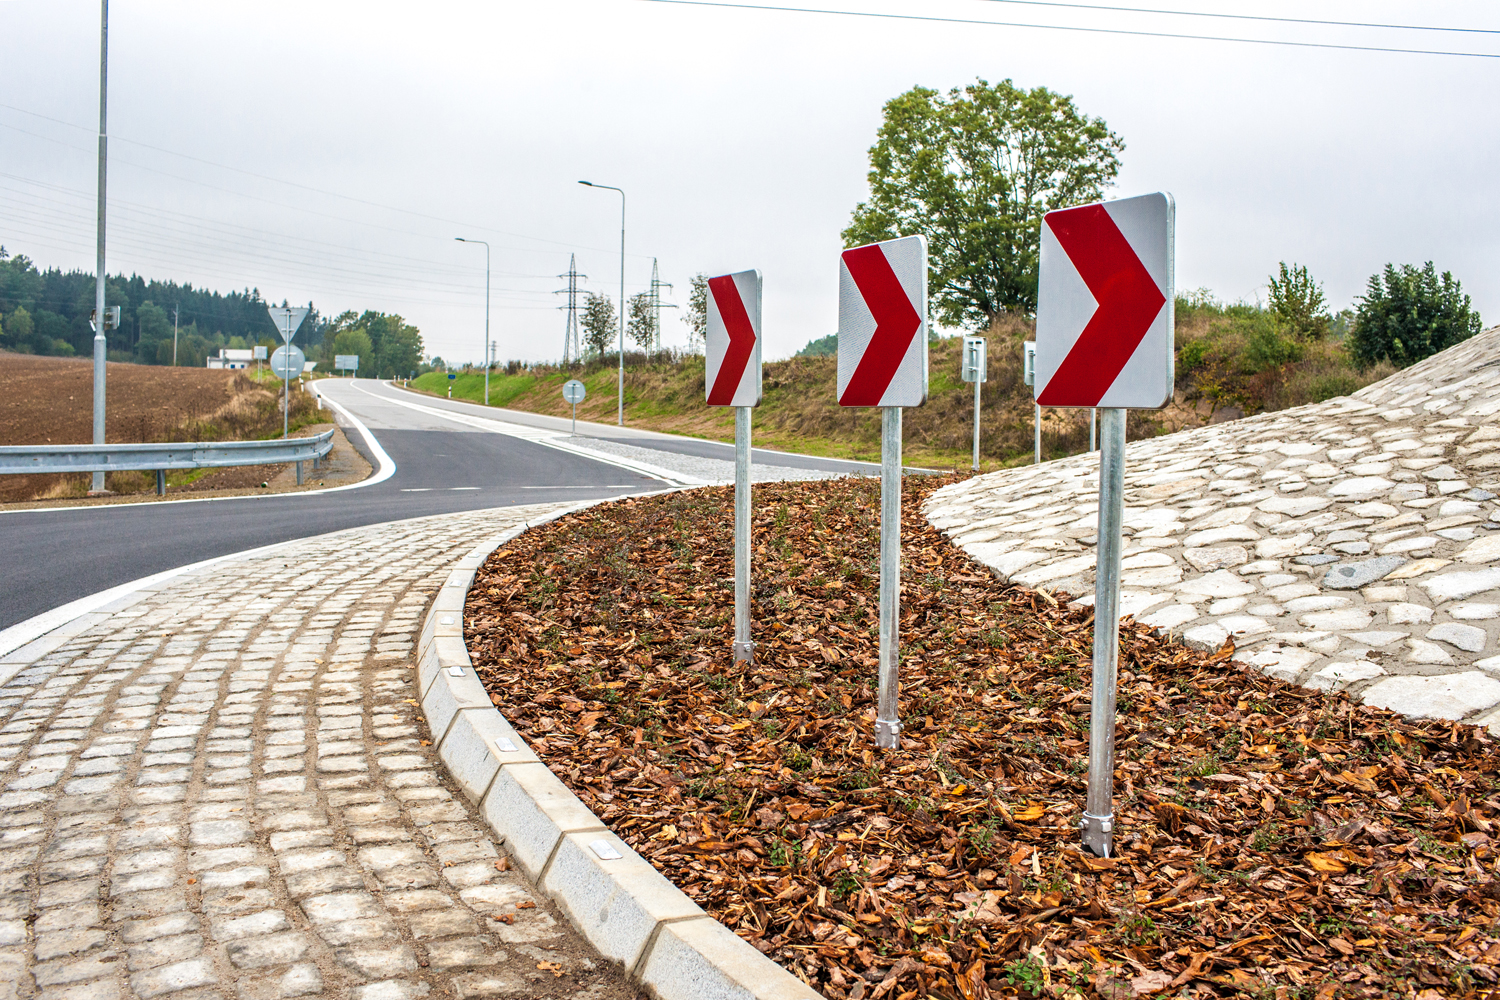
[(740, 137)]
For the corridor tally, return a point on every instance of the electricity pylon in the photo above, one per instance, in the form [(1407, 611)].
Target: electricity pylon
[(571, 350)]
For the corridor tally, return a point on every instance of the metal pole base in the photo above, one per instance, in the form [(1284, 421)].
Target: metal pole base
[(887, 734), (744, 652), (1098, 834)]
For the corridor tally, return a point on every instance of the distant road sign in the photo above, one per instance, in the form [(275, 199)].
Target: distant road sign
[(288, 362), (733, 340), (346, 362), (452, 376), (974, 369), (883, 324), (1104, 305), (574, 391), (260, 352), (287, 320)]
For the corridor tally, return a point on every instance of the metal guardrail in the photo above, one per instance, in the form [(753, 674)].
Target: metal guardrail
[(159, 457)]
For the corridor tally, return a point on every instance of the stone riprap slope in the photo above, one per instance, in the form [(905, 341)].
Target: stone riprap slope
[(1351, 543), (225, 791)]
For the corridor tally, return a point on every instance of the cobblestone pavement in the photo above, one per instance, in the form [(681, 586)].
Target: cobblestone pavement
[(1352, 543), (224, 790)]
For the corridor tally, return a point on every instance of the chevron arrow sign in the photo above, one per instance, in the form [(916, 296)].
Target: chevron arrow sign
[(1104, 305)]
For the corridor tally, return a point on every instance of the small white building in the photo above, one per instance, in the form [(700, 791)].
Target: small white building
[(230, 357)]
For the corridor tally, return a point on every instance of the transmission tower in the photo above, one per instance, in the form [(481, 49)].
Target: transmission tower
[(657, 305), (571, 350)]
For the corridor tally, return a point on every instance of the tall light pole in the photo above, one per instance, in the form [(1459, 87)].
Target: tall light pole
[(101, 345), (487, 345), (621, 416)]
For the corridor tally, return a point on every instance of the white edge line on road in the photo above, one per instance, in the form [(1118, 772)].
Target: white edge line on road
[(26, 632), (543, 437), (385, 471), (659, 435)]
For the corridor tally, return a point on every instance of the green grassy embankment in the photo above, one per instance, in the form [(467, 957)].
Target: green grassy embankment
[(1230, 361)]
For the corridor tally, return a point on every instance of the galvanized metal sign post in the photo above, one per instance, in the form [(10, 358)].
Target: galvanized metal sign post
[(287, 321), (1104, 340), (732, 378), (1028, 375), (882, 349), (974, 371), (573, 393)]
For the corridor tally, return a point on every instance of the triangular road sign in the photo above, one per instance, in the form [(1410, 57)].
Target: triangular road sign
[(287, 320)]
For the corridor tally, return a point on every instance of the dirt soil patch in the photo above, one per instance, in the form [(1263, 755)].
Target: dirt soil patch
[(1272, 841), (50, 401)]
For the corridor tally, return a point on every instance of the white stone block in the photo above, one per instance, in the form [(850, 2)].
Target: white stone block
[(1170, 617), (1337, 676), (1319, 602), (1361, 488), (1239, 625), (615, 902), (1220, 583), (704, 960), (1481, 550), (1452, 696), (1294, 506), (1474, 612), (1422, 651), (1377, 638), (1457, 586), (531, 809), (470, 753), (1465, 637), (447, 696), (1408, 614), (1342, 620), (1228, 533), (1207, 637), (1279, 662)]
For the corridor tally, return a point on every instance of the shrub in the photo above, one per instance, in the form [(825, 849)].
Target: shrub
[(1297, 303), (1408, 314)]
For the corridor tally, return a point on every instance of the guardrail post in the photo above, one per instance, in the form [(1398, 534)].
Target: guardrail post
[(299, 473), (161, 482)]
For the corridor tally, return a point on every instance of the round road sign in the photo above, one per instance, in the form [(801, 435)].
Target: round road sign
[(573, 391), (287, 362)]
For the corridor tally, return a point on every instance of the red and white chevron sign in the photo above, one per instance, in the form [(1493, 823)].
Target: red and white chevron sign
[(733, 340), (883, 324), (1104, 305)]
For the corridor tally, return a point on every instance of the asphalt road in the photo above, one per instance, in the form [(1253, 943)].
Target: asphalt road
[(51, 557)]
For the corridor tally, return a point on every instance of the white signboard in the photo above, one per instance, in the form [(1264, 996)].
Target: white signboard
[(883, 324), (1104, 305), (732, 342), (346, 362)]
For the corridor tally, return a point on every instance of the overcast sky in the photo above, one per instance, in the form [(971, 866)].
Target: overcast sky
[(332, 150)]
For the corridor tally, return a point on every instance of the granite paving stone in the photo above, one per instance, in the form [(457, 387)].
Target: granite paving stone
[(226, 790), (1349, 544)]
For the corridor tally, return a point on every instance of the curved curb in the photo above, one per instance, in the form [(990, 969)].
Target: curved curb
[(623, 906)]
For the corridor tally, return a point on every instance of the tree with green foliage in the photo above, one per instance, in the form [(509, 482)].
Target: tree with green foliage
[(640, 322), (1408, 314), (820, 347), (697, 313), (356, 341), (153, 328), (18, 327), (598, 324), (974, 171), (1297, 302)]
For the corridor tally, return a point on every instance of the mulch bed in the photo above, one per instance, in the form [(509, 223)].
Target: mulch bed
[(1271, 840)]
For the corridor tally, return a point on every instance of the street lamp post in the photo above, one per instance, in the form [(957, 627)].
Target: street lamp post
[(621, 406), (486, 315), (101, 345)]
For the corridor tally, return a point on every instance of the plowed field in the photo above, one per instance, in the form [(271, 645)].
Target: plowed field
[(50, 401)]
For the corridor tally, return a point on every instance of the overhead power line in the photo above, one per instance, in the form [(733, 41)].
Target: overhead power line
[(1247, 17), (1079, 29)]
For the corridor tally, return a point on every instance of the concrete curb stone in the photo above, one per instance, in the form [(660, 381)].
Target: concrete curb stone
[(622, 906)]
